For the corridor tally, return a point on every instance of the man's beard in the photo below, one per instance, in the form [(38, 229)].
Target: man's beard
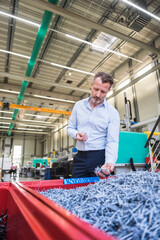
[(97, 100)]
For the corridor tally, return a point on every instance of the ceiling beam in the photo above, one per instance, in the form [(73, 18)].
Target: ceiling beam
[(41, 82), (29, 99), (52, 125), (41, 92), (21, 131), (76, 18), (32, 91)]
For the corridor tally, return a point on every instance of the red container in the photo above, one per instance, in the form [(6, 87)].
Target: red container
[(33, 216)]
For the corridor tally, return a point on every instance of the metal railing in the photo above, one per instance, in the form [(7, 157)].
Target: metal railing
[(154, 148)]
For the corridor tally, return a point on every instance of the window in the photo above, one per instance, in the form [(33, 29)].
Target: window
[(104, 40), (143, 70), (17, 153)]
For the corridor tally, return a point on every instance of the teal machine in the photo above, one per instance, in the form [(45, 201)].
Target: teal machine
[(131, 145), (41, 161), (38, 161)]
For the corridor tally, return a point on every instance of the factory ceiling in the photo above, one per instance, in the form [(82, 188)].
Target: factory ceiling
[(50, 51)]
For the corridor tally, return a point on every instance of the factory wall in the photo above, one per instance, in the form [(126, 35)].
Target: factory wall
[(145, 92), (58, 141), (0, 147), (147, 96), (45, 147), (30, 147)]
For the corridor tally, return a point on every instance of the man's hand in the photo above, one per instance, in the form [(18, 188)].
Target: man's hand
[(82, 136), (106, 169), (108, 166)]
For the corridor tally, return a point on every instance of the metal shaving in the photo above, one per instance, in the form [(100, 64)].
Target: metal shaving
[(99, 170), (126, 206), (3, 224)]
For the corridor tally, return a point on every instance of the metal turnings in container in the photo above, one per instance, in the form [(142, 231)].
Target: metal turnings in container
[(126, 206)]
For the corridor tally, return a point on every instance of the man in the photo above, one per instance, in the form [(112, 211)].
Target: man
[(94, 123)]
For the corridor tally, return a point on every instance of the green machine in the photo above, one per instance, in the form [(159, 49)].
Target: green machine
[(131, 145), (41, 161)]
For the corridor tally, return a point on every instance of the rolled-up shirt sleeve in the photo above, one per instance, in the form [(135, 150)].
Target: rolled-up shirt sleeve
[(112, 141), (72, 126)]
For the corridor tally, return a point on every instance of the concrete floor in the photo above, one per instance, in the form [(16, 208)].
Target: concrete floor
[(8, 178), (29, 179)]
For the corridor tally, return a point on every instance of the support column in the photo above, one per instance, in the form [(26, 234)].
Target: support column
[(23, 152), (156, 62), (135, 101)]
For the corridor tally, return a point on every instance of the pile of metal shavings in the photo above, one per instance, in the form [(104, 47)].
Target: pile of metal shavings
[(126, 206), (3, 224)]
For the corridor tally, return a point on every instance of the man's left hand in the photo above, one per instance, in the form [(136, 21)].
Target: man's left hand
[(108, 166), (106, 170)]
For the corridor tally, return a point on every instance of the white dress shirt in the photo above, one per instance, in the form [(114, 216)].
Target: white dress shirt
[(100, 124)]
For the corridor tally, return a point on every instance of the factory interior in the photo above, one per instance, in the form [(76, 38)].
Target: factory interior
[(50, 52)]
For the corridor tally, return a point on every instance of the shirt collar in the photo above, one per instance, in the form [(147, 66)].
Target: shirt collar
[(102, 104)]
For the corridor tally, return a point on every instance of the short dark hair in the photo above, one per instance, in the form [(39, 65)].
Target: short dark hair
[(105, 77)]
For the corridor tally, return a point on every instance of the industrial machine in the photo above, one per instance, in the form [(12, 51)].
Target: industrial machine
[(131, 150)]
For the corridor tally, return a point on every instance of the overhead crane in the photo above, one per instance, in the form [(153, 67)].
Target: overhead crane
[(37, 109)]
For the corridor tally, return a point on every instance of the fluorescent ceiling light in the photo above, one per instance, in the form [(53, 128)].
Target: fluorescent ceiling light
[(103, 41), (20, 19), (9, 91), (41, 116), (27, 120), (6, 112), (8, 118), (4, 127), (30, 129), (141, 9), (4, 123), (32, 115), (65, 67), (143, 70), (13, 53), (110, 93), (57, 99), (123, 84), (21, 124)]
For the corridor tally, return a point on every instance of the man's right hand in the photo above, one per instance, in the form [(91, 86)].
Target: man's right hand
[(82, 136)]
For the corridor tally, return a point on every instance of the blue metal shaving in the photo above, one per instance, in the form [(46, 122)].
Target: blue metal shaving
[(126, 206), (3, 224), (100, 170)]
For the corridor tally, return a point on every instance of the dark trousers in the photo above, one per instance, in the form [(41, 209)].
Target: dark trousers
[(85, 163)]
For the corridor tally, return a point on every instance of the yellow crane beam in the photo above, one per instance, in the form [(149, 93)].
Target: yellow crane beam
[(37, 109)]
